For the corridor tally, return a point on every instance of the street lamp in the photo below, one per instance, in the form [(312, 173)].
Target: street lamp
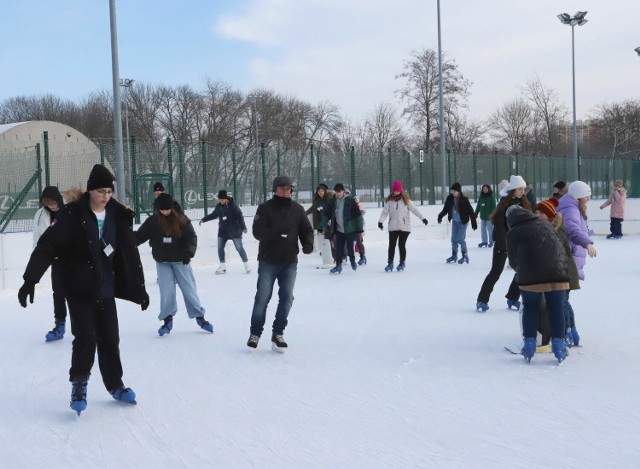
[(575, 20), (255, 113), (443, 164)]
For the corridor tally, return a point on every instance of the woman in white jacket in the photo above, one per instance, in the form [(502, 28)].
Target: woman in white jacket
[(51, 201), (398, 207)]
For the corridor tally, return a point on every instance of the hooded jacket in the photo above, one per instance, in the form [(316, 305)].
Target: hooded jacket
[(535, 250), (399, 213), (166, 248), (231, 221), (616, 200), (576, 229), (486, 204), (352, 219), (85, 270), (43, 217)]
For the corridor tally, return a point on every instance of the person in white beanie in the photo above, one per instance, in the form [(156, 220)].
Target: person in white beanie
[(573, 208)]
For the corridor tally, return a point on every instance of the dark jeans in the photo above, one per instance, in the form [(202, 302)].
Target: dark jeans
[(360, 245), (399, 237), (59, 302), (343, 239), (497, 266), (616, 226), (95, 326), (569, 318), (531, 310), (268, 273)]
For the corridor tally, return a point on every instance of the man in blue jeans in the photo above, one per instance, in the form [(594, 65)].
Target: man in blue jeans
[(278, 225)]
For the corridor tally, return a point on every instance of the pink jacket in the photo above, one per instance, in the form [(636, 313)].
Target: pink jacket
[(616, 200)]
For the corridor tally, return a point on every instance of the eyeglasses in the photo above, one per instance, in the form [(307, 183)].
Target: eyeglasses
[(104, 192)]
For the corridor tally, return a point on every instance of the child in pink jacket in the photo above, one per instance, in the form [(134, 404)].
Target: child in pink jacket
[(616, 200)]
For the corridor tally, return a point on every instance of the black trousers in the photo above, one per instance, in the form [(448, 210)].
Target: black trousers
[(59, 303), (400, 238), (95, 327), (343, 239), (497, 266)]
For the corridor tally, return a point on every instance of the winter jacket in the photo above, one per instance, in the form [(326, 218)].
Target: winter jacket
[(500, 227), (399, 214), (574, 282), (535, 250), (318, 206), (616, 200), (279, 224), (164, 247), (464, 209), (85, 269), (231, 224), (352, 218), (486, 205), (176, 206), (44, 217), (577, 232)]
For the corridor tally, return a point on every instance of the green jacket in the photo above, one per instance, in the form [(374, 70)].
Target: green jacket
[(486, 205), (352, 217)]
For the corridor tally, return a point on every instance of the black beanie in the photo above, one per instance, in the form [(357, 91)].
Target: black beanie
[(100, 178), (338, 187), (222, 194), (456, 187), (164, 201), (158, 187), (53, 193)]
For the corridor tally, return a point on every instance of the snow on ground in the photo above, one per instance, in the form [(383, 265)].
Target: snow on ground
[(384, 370)]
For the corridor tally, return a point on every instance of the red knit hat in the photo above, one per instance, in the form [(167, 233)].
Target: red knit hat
[(548, 207)]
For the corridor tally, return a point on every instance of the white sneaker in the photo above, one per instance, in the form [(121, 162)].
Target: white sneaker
[(221, 270), (247, 269)]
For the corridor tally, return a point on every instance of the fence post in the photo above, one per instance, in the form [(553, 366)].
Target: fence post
[(421, 162), (39, 167), (181, 173), (101, 148), (495, 170), (234, 171), (381, 157), (203, 156), (264, 173), (134, 176), (432, 195), (278, 159), (449, 167), (475, 175), (318, 177), (409, 185), (47, 175), (170, 161), (352, 156), (389, 168), (313, 173)]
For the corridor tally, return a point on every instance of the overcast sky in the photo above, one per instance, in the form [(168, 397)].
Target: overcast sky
[(345, 51)]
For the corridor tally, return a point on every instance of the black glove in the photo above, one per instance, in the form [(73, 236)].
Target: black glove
[(145, 302), (380, 225), (186, 259), (200, 223), (307, 249), (320, 231), (425, 221), (439, 220), (474, 226), (27, 289)]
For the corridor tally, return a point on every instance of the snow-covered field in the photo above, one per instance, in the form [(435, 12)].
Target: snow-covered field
[(383, 369)]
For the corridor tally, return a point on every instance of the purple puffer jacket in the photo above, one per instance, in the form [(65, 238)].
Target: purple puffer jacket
[(577, 231)]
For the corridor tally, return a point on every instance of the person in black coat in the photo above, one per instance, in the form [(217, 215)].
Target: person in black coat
[(230, 227), (99, 261), (541, 263), (459, 211), (279, 225), (173, 244)]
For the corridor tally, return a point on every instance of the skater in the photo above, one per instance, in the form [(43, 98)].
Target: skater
[(346, 221), (617, 201), (541, 264), (360, 239), (158, 188), (485, 207), (279, 224), (321, 200), (173, 244), (459, 211), (512, 194), (230, 227), (398, 207), (559, 189), (52, 202), (573, 208), (93, 241)]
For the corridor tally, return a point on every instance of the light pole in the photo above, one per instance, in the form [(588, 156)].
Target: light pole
[(443, 164), (126, 83), (117, 115), (255, 114), (575, 20)]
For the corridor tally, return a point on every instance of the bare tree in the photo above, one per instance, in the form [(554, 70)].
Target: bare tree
[(512, 126), (619, 126), (463, 134), (548, 112), (421, 92)]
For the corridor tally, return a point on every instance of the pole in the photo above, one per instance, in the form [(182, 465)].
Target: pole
[(117, 112), (575, 133), (443, 165)]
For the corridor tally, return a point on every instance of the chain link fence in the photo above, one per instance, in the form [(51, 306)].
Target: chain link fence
[(193, 172)]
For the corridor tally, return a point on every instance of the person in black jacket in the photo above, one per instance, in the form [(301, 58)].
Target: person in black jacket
[(99, 261), (541, 263), (158, 188), (279, 224), (459, 211), (173, 244), (230, 227)]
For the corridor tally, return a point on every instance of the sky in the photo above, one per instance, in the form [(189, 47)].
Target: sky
[(384, 370), (347, 52)]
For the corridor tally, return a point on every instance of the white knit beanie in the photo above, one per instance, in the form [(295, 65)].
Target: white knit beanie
[(579, 189)]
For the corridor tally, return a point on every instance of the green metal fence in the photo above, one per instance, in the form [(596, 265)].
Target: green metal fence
[(194, 172)]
